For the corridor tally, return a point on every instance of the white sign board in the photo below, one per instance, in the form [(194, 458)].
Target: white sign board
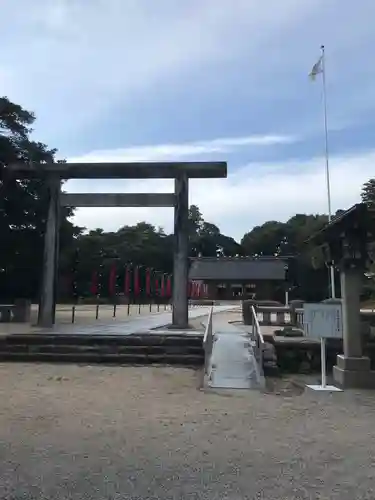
[(322, 320)]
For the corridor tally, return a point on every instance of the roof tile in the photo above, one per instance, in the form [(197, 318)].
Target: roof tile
[(237, 268)]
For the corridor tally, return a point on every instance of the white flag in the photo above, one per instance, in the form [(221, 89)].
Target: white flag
[(317, 68)]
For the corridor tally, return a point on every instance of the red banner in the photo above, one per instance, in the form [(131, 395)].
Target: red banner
[(162, 286), (127, 281), (112, 280), (94, 283), (148, 281), (169, 287), (137, 286)]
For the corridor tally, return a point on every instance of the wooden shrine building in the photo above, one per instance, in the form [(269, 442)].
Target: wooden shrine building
[(230, 278)]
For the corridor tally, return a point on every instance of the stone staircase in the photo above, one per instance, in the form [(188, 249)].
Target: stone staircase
[(147, 348)]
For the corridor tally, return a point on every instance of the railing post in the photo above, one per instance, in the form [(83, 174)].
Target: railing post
[(266, 318), (293, 317), (298, 317), (296, 306), (280, 318)]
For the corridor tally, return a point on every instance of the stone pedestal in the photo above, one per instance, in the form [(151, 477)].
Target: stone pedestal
[(22, 311), (352, 369), (351, 373)]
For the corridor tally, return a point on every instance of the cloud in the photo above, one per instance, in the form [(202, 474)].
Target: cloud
[(177, 151), (101, 74), (250, 195), (164, 76), (82, 59)]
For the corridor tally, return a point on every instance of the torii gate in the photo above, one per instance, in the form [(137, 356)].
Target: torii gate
[(53, 173)]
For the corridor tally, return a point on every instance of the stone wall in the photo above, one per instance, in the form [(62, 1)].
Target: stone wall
[(303, 356)]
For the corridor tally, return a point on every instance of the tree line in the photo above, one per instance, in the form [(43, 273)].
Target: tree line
[(23, 209)]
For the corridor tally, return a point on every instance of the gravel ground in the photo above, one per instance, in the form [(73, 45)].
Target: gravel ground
[(94, 432)]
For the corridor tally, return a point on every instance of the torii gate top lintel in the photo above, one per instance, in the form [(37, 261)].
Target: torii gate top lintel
[(122, 170)]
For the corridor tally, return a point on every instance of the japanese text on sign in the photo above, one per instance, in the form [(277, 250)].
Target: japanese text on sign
[(322, 320)]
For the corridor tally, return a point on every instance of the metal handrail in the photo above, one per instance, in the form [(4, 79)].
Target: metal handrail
[(257, 326), (208, 340), (257, 337)]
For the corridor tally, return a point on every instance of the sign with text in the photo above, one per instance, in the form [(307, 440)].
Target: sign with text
[(322, 320)]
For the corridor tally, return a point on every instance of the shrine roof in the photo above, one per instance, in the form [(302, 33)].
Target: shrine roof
[(238, 268)]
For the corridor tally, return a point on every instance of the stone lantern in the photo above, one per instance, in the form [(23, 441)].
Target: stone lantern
[(345, 242)]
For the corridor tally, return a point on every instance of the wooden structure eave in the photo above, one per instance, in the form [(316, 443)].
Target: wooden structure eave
[(359, 215)]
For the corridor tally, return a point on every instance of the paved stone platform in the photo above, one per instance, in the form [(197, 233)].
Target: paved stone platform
[(134, 325)]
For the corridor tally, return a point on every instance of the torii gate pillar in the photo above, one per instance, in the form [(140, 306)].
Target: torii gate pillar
[(180, 313)]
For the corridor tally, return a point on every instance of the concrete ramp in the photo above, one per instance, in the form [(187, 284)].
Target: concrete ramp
[(232, 364)]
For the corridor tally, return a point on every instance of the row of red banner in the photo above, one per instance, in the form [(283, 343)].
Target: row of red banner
[(161, 286)]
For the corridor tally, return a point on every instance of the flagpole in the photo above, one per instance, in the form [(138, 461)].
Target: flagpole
[(328, 182)]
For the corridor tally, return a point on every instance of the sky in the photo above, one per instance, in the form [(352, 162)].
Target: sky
[(138, 80)]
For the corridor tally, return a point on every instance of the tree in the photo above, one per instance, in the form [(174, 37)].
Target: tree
[(368, 192), (288, 239), (268, 239), (23, 206), (147, 246), (141, 245), (205, 238)]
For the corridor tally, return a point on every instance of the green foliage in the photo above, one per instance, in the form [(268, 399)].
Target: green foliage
[(141, 245), (23, 212), (23, 206), (282, 239), (288, 239), (206, 239), (368, 192)]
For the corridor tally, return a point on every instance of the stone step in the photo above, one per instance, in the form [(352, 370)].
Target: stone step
[(85, 357), (182, 349), (117, 340), (104, 349)]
